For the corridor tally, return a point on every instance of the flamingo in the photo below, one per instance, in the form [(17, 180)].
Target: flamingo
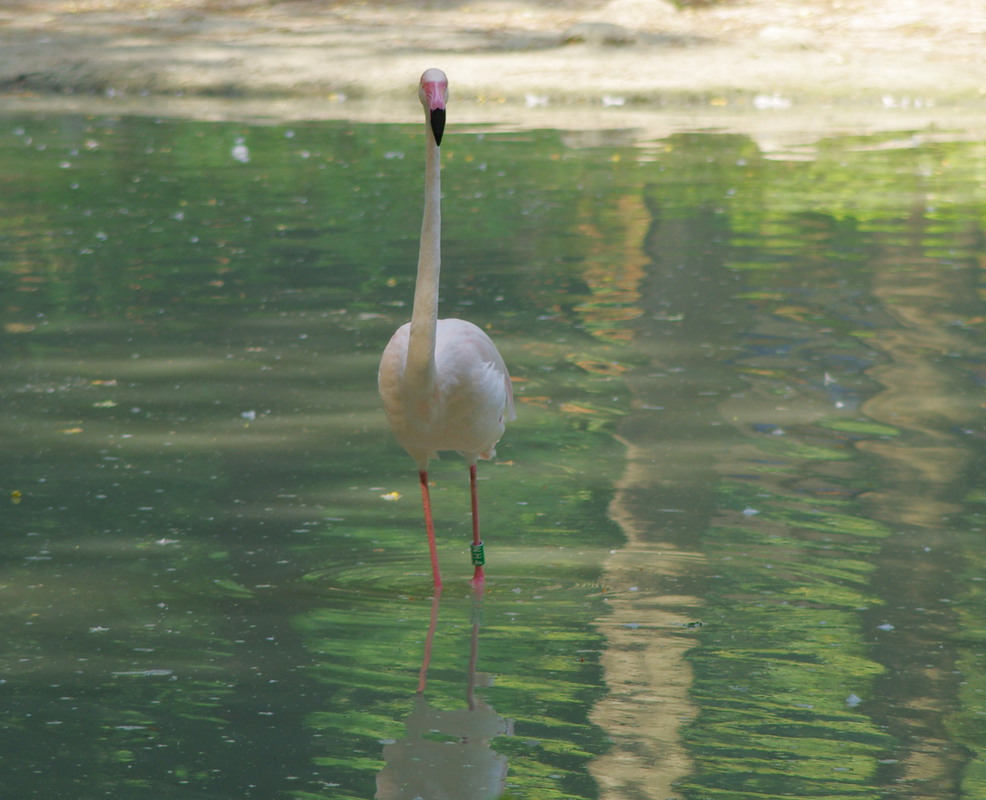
[(443, 383)]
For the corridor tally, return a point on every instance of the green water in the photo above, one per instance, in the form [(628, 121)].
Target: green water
[(734, 539)]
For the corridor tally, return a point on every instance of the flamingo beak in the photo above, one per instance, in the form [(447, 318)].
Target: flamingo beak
[(436, 118)]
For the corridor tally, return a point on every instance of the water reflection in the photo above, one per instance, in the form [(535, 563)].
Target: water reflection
[(447, 753), (925, 276), (798, 374)]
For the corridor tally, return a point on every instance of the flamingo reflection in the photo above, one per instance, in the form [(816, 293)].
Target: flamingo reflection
[(446, 755)]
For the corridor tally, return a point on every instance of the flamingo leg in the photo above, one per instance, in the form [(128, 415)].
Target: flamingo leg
[(430, 528), (477, 543)]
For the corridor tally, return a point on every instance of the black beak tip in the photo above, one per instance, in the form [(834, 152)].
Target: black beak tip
[(437, 118)]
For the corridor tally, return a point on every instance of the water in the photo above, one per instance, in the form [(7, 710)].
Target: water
[(734, 539)]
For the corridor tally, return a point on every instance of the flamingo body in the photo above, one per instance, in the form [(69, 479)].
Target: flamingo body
[(443, 383), (464, 407)]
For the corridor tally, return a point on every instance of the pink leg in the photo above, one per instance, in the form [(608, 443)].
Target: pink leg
[(430, 528), (478, 576)]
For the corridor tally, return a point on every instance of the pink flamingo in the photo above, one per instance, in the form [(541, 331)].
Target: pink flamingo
[(444, 385)]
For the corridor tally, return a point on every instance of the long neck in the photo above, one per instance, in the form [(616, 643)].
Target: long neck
[(421, 349)]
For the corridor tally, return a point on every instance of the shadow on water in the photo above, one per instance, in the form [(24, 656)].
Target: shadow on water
[(734, 539)]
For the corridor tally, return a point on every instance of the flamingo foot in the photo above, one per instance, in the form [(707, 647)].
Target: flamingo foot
[(478, 578)]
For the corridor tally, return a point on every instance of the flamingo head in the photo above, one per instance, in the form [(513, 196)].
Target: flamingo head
[(433, 94)]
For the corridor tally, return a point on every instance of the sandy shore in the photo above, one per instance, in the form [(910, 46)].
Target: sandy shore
[(622, 64)]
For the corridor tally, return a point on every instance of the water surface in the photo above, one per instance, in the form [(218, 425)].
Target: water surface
[(734, 538)]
